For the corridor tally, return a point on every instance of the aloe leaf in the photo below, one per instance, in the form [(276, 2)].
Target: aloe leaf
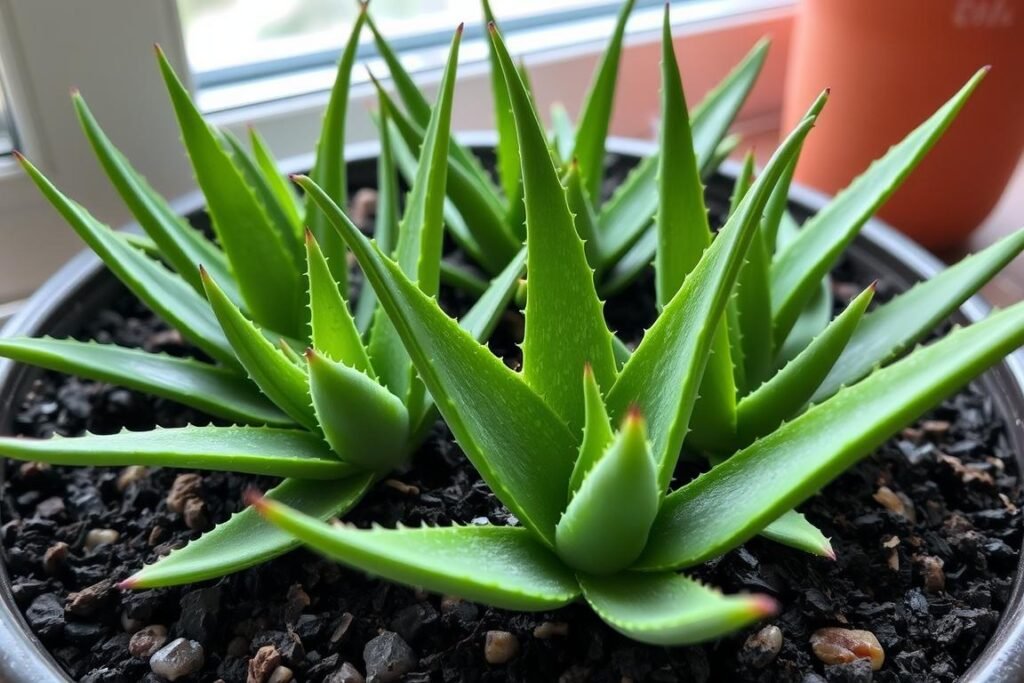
[(329, 170), (663, 374), (776, 208), (739, 190), (813, 319), (793, 529), (597, 431), (269, 280), (286, 196), (180, 245), (682, 217), (386, 229), (582, 210), (332, 329), (498, 434), (723, 151), (563, 132), (504, 123), (462, 278), (625, 269), (275, 375), (808, 258), (501, 566), (246, 540), (894, 326), (625, 217), (726, 506), (596, 113), (363, 422), (168, 295), (785, 394), (483, 213), (556, 264), (251, 450), (215, 390), (480, 320), (598, 538), (670, 609)]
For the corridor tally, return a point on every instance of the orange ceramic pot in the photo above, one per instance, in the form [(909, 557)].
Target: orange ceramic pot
[(890, 64)]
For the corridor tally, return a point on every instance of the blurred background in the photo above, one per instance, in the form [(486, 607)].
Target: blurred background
[(269, 64)]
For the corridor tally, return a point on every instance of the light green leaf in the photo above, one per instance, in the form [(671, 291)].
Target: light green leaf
[(215, 390), (723, 151), (597, 431), (493, 414), (246, 540), (168, 295), (251, 450), (332, 329), (180, 245), (462, 278), (670, 609), (793, 529), (733, 323), (663, 374), (596, 113), (776, 208), (275, 375), (269, 279), (808, 258), (480, 320), (363, 422), (500, 566), (784, 395), (582, 210), (557, 266), (329, 170), (563, 132), (726, 506), (894, 326), (507, 148), (286, 196), (604, 528)]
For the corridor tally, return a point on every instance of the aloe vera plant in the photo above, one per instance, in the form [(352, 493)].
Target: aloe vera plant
[(346, 413), (582, 444)]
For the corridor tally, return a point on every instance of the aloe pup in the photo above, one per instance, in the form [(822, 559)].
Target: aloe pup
[(582, 447)]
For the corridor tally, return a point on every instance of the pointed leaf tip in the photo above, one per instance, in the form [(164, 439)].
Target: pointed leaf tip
[(203, 273), (19, 156), (75, 92), (491, 27), (460, 28), (763, 605), (255, 498)]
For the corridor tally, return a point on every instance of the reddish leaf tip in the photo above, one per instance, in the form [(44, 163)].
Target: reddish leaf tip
[(256, 499), (764, 605), (158, 50), (128, 584), (18, 155), (75, 92), (633, 414), (309, 236), (986, 68), (460, 28), (311, 354), (830, 553), (491, 27), (588, 370), (873, 286), (203, 272)]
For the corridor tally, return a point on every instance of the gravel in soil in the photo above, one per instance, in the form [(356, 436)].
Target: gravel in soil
[(926, 532)]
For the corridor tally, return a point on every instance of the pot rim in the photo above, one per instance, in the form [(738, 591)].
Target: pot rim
[(24, 658)]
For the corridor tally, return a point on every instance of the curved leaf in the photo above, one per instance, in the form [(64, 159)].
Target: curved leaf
[(215, 390), (500, 566), (508, 146), (275, 180), (246, 540), (670, 609), (332, 329), (793, 529), (597, 431), (582, 210), (251, 450)]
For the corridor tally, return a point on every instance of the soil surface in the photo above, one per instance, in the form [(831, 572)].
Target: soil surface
[(926, 532)]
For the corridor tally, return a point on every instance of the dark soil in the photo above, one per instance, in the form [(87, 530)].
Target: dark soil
[(952, 474)]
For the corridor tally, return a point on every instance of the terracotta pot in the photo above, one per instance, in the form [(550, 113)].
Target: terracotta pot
[(890, 65)]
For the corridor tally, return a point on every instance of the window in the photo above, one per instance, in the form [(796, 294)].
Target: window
[(6, 127)]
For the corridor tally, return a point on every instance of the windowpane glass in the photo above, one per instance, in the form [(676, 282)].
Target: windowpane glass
[(6, 129)]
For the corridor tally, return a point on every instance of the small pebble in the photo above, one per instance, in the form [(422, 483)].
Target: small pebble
[(500, 647), (267, 659), (281, 674), (89, 600), (550, 629), (50, 508), (761, 648), (295, 602), (130, 475), (842, 646), (185, 486), (177, 659), (55, 557), (896, 503), (346, 673), (46, 616), (98, 537), (935, 426), (931, 570), (402, 487), (388, 658), (156, 535), (341, 630), (147, 641), (195, 515)]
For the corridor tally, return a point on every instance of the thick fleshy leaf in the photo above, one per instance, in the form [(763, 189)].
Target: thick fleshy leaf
[(596, 113), (285, 193), (597, 536), (180, 245), (583, 212), (462, 278), (215, 390), (625, 217), (754, 312), (556, 265), (507, 147), (726, 506), (663, 374), (268, 278), (739, 190), (246, 539), (365, 423), (332, 328), (280, 379), (329, 169), (670, 609), (563, 132), (597, 431), (252, 450), (167, 294), (793, 529), (492, 412), (784, 395), (894, 326), (723, 151), (480, 320), (504, 567), (776, 208), (808, 258), (682, 218)]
